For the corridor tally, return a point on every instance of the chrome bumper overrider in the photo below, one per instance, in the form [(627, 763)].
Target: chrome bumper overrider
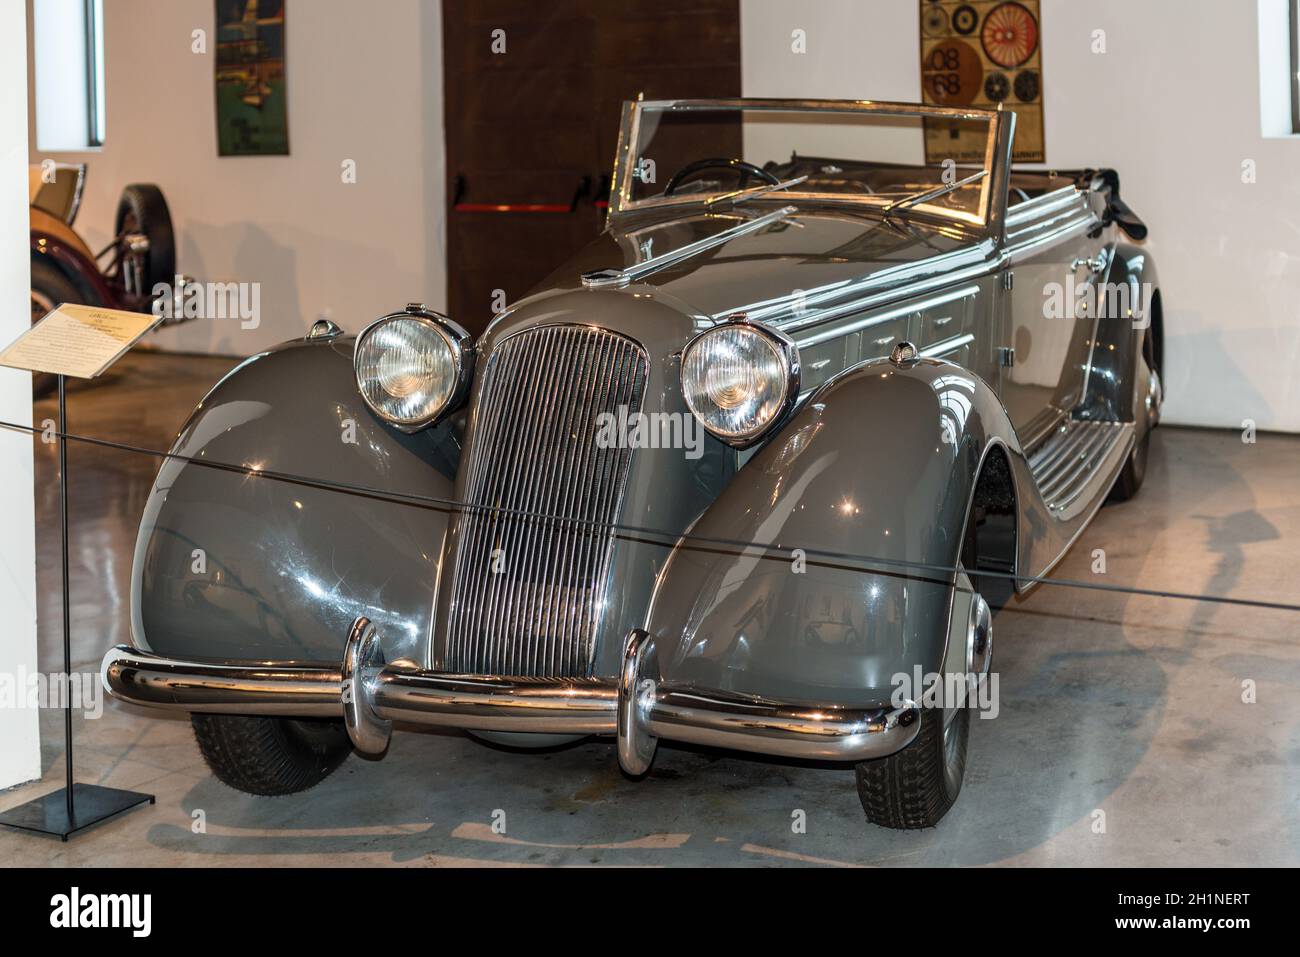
[(370, 694)]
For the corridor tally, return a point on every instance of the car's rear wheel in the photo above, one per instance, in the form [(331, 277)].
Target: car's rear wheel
[(270, 756), (1148, 394), (142, 209)]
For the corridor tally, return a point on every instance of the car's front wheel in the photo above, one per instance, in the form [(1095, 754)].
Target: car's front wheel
[(916, 787), (270, 756)]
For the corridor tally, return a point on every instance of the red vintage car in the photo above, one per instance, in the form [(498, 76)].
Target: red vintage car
[(64, 269)]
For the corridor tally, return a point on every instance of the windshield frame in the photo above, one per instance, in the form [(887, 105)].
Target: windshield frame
[(620, 200)]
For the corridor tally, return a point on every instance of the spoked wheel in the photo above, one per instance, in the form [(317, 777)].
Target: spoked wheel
[(142, 209)]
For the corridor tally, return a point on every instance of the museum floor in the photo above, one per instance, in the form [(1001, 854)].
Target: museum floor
[(1122, 740)]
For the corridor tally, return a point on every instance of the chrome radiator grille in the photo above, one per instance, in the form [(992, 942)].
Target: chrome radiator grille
[(528, 593)]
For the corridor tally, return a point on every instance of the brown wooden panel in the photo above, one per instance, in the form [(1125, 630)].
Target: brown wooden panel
[(528, 125)]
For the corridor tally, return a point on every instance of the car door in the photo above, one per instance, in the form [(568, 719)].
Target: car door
[(1056, 255)]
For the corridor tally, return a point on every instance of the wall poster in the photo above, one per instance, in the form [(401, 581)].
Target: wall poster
[(981, 53), (252, 115)]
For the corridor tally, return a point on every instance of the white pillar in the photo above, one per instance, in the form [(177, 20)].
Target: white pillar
[(20, 750)]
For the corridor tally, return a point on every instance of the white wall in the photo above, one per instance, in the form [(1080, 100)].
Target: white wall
[(364, 83), (1174, 105), (20, 752)]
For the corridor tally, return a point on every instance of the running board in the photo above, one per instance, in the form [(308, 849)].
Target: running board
[(1069, 467)]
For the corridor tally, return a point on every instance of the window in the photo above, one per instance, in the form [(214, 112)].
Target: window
[(1294, 34), (68, 42), (95, 70)]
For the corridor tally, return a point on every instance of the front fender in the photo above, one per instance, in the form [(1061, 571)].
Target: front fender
[(65, 250), (880, 462), (237, 566)]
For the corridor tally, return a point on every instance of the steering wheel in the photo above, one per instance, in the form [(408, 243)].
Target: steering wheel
[(746, 170)]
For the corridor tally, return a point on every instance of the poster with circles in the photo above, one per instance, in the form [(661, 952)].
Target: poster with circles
[(982, 53)]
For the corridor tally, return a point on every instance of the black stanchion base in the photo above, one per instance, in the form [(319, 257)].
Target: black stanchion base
[(90, 805)]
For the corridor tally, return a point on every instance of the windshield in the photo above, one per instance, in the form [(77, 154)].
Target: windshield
[(900, 159)]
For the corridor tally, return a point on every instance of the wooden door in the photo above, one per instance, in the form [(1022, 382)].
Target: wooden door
[(532, 96)]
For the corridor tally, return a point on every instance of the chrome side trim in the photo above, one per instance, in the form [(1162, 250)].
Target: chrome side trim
[(1027, 248), (1040, 205), (948, 345), (884, 285), (868, 321), (912, 279)]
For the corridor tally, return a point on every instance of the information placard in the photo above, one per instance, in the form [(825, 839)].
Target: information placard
[(77, 341)]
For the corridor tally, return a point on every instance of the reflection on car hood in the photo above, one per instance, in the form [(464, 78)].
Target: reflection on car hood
[(776, 272)]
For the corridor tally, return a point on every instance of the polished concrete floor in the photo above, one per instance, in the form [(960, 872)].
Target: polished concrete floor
[(1123, 737)]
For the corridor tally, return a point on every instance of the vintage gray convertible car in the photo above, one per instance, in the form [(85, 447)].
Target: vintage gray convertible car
[(762, 452)]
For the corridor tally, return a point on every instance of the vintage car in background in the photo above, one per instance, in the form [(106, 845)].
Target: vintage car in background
[(911, 400), (64, 269)]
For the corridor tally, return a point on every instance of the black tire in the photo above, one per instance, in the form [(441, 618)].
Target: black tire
[(270, 756), (142, 209), (50, 288), (1134, 472), (917, 786)]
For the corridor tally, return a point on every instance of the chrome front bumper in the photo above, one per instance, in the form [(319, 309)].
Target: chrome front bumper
[(370, 694)]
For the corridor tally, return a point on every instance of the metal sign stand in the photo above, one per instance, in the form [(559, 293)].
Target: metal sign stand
[(73, 807)]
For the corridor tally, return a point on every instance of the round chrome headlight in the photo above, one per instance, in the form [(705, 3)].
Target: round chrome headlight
[(412, 366), (738, 378)]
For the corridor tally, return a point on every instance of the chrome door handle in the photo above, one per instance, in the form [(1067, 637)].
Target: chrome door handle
[(1095, 265)]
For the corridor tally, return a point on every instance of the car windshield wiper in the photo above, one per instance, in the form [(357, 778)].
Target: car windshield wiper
[(740, 195), (915, 199)]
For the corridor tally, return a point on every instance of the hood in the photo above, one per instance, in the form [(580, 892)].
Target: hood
[(774, 272)]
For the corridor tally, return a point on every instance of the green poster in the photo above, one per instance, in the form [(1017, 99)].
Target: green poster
[(252, 114)]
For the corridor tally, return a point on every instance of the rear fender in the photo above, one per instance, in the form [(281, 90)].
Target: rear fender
[(882, 462), (1124, 312), (236, 566)]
